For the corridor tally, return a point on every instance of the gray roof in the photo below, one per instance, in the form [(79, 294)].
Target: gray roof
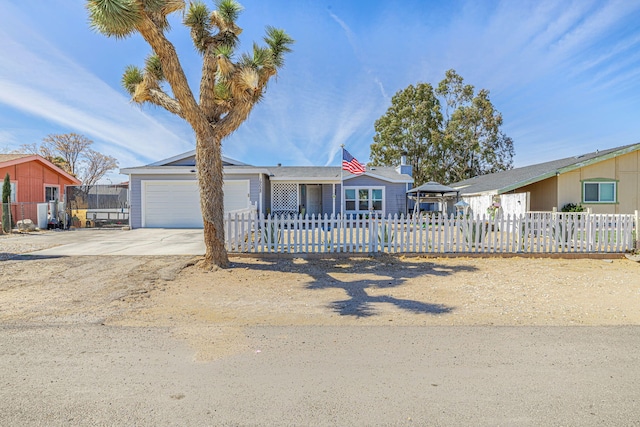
[(309, 174), (185, 162), (502, 182), (332, 173), (432, 187), (189, 159)]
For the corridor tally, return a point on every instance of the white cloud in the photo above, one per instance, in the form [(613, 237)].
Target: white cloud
[(42, 81)]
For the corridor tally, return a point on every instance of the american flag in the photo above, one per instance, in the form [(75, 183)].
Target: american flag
[(349, 163)]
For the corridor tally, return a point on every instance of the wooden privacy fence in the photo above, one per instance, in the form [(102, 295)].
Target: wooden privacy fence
[(535, 232)]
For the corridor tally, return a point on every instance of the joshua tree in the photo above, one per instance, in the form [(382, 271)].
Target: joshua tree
[(229, 87)]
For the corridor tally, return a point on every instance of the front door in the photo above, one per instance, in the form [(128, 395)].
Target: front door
[(314, 199)]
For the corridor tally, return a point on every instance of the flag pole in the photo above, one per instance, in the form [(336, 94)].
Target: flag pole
[(341, 180)]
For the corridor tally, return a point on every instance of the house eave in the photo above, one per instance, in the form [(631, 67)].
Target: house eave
[(305, 180), (524, 183), (191, 154), (187, 170), (599, 159), (45, 162), (381, 178)]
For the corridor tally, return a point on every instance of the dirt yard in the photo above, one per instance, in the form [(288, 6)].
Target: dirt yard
[(210, 309)]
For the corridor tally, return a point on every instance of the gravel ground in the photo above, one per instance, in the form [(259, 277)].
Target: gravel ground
[(154, 340), (18, 243)]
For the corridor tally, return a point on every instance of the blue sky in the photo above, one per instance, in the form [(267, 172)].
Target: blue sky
[(564, 74)]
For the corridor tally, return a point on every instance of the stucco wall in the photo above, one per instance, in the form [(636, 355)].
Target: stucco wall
[(543, 194), (624, 169)]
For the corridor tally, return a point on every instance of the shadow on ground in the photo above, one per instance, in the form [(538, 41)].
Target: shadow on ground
[(389, 273), (6, 256)]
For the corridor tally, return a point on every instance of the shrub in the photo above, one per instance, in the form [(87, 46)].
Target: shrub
[(572, 207)]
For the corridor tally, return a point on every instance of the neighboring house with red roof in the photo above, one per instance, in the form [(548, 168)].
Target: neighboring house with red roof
[(34, 180)]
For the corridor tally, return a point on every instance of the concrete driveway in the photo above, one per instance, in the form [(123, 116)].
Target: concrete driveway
[(142, 241)]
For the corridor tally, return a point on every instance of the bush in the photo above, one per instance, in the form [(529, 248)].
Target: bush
[(572, 207)]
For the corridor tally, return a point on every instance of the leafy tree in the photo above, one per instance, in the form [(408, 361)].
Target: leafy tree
[(412, 126), (6, 204), (73, 153), (450, 133), (229, 87)]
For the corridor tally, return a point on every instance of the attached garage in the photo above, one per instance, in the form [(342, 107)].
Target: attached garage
[(176, 204)]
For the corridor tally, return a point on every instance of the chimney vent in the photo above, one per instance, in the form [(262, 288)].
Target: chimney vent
[(403, 158)]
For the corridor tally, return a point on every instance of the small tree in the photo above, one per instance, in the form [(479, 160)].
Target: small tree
[(6, 204)]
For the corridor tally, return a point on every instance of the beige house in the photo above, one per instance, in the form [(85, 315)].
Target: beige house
[(605, 181)]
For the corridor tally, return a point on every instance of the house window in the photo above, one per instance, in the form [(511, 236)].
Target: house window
[(14, 192), (350, 199), (599, 192), (51, 193), (363, 199)]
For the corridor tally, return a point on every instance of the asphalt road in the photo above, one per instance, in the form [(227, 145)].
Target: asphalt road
[(94, 375)]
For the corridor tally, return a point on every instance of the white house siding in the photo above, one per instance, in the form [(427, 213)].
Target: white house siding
[(511, 204), (514, 203)]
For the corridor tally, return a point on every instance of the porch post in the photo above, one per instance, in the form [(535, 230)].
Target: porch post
[(260, 201), (334, 199)]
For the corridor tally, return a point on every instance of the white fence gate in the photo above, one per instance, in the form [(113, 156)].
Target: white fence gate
[(530, 233)]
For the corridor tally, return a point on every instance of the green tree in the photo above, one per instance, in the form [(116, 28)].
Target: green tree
[(228, 90), (450, 133), (6, 204), (412, 126)]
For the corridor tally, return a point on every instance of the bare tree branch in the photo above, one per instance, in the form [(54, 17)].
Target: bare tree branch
[(96, 165), (69, 146)]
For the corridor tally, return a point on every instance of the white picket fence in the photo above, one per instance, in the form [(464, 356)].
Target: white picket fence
[(535, 232)]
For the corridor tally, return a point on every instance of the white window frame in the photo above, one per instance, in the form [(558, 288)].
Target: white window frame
[(14, 192), (599, 184), (357, 210), (51, 186)]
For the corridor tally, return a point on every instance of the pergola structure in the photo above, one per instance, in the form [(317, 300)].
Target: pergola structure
[(432, 192)]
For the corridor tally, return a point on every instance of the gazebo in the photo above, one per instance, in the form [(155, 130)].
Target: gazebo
[(432, 192)]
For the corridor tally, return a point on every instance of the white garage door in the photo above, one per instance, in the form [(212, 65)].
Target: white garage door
[(236, 195), (176, 204)]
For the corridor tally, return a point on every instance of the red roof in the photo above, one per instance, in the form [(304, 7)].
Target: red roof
[(14, 159)]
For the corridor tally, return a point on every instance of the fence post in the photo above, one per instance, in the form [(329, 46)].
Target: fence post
[(636, 243)]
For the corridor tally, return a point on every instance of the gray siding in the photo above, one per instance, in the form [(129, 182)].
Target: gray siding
[(266, 209), (394, 194), (189, 161), (327, 199), (396, 202)]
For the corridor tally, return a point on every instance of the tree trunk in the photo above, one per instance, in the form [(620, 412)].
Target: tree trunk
[(210, 181)]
